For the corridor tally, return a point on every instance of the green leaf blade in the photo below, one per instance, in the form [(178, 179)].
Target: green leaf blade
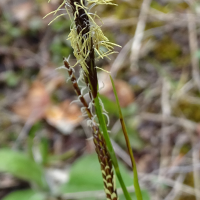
[(135, 177), (24, 195), (103, 127), (19, 165)]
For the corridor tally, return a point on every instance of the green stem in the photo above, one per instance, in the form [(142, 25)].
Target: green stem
[(135, 177), (109, 145)]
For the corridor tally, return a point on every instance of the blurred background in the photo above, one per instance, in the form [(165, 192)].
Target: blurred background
[(46, 150)]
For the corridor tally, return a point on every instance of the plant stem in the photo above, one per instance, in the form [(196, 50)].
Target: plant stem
[(109, 145), (135, 178), (99, 141)]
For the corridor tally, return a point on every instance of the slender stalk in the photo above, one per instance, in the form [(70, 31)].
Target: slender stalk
[(109, 146), (83, 27), (135, 175), (86, 37)]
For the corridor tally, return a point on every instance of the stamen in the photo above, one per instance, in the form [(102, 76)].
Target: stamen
[(84, 111), (102, 105), (74, 81), (102, 86), (108, 119), (61, 67), (68, 79), (80, 96), (56, 18), (83, 89), (94, 4), (75, 101)]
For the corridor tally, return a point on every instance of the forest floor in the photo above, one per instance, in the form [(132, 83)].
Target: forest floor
[(157, 78)]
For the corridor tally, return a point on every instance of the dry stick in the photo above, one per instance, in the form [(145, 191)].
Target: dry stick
[(170, 119), (153, 15), (135, 49), (120, 59), (175, 192), (146, 177), (195, 161), (100, 145), (178, 169), (26, 128), (193, 41), (193, 48), (180, 22), (190, 126), (190, 2), (170, 171), (168, 17), (121, 153), (118, 63), (196, 174), (180, 141), (166, 111), (181, 169), (169, 182)]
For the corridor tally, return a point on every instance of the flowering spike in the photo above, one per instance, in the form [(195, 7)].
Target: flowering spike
[(86, 37)]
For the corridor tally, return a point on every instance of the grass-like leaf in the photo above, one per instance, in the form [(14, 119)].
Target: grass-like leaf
[(135, 175), (109, 145)]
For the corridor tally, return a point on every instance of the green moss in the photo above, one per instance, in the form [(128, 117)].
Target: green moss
[(157, 6), (185, 149), (167, 49), (189, 180), (170, 6), (125, 11), (182, 6), (183, 61), (154, 24), (190, 111)]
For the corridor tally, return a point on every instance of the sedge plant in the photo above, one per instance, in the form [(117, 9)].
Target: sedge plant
[(87, 40)]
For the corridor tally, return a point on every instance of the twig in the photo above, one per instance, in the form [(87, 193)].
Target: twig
[(26, 128), (139, 32), (146, 177), (175, 192), (178, 169), (196, 174), (120, 58), (193, 41), (170, 119), (166, 111), (169, 182), (121, 153)]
